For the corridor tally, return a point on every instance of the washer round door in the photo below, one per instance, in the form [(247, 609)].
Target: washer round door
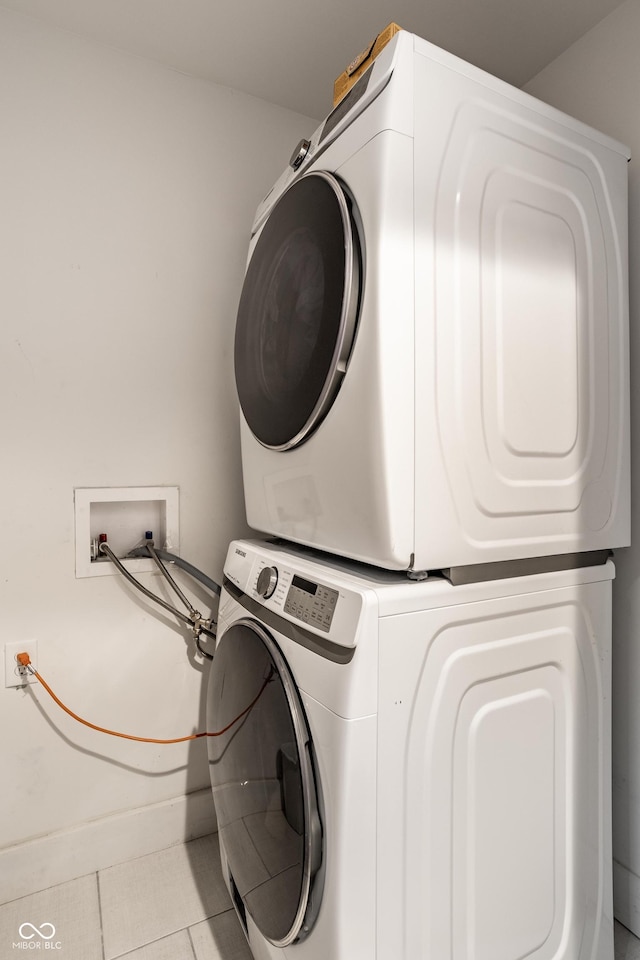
[(264, 787), (298, 312)]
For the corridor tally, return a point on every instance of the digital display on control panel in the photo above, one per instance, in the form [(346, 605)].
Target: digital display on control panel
[(350, 99), (311, 602), (305, 585)]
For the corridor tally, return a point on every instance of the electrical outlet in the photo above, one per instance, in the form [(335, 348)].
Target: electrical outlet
[(14, 674)]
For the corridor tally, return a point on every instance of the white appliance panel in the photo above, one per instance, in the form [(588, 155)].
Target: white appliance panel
[(316, 492), (528, 230), (483, 412), (462, 752), (503, 849)]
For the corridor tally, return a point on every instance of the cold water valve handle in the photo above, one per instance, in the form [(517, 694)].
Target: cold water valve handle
[(267, 582)]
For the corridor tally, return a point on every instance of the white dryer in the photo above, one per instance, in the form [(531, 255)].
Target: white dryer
[(412, 771), (431, 344)]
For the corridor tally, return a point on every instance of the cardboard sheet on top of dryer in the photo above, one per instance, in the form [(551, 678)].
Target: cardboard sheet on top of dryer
[(365, 58)]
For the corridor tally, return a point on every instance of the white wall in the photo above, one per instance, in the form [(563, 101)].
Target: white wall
[(127, 198), (598, 81)]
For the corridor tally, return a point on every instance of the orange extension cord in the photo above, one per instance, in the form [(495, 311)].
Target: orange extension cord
[(25, 661)]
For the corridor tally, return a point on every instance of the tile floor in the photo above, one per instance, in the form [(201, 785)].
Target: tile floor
[(170, 905)]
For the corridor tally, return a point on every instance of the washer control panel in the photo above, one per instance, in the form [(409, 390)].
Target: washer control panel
[(305, 591), (311, 602)]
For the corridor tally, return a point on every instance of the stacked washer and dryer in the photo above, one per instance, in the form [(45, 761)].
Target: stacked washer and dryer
[(431, 361)]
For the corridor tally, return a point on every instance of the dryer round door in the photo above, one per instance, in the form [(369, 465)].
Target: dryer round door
[(298, 312), (264, 787)]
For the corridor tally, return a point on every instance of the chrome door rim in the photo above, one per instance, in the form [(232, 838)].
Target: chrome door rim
[(344, 315), (303, 740), (348, 318)]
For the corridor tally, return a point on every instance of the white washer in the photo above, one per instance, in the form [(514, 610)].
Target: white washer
[(423, 771), (431, 345)]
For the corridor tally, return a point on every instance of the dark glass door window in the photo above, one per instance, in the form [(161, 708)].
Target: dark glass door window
[(263, 783), (298, 312)]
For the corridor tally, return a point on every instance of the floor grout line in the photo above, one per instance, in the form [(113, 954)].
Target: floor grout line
[(187, 930), (143, 946), (104, 952), (193, 946)]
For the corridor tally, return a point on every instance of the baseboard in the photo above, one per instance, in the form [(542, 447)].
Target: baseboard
[(57, 857), (626, 897)]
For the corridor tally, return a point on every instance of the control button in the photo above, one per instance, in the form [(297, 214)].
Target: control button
[(299, 154), (267, 582)]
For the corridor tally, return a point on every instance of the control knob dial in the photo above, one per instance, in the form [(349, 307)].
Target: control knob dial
[(267, 582), (299, 153)]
